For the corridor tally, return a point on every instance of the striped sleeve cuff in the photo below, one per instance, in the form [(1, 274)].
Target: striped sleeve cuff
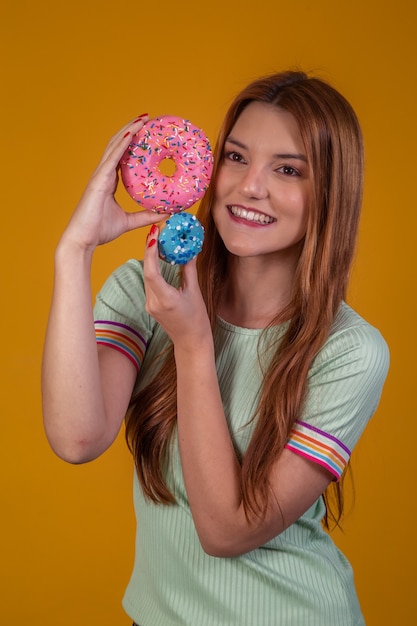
[(320, 447), (122, 338)]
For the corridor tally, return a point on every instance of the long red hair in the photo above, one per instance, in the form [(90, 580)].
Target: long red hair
[(334, 149)]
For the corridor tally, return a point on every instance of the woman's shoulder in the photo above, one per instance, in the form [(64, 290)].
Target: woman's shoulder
[(347, 319), (122, 297), (353, 339), (132, 270)]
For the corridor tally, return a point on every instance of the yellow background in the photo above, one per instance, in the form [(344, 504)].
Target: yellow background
[(73, 73)]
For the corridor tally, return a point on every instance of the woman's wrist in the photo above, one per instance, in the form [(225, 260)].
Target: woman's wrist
[(69, 248), (195, 355)]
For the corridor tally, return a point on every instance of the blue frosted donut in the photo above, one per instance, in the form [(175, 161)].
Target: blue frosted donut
[(181, 239)]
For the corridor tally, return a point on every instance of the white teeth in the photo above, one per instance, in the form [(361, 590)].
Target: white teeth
[(251, 216)]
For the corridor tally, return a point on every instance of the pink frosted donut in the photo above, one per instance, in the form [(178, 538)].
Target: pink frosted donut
[(167, 137)]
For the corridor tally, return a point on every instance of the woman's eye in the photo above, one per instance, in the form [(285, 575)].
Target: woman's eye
[(288, 170), (234, 156)]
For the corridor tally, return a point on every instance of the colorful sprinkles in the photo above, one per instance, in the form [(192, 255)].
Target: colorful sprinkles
[(173, 138)]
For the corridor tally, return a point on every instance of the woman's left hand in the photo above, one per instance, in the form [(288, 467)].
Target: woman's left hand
[(181, 312)]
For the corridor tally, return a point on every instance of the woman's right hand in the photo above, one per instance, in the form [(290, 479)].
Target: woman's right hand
[(98, 218)]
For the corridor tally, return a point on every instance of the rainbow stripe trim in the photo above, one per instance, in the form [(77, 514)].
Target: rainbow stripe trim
[(320, 447), (122, 338)]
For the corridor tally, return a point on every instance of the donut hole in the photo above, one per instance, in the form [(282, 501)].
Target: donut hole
[(167, 166)]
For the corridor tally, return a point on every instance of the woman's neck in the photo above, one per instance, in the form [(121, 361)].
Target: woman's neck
[(255, 292)]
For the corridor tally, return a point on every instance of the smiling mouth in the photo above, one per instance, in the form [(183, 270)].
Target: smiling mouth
[(250, 216)]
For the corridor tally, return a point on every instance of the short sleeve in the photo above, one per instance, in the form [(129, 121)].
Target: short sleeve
[(120, 318), (344, 389)]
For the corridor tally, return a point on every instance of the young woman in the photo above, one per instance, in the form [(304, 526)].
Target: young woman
[(245, 377)]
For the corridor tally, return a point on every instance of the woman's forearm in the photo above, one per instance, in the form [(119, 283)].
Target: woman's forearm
[(210, 464)]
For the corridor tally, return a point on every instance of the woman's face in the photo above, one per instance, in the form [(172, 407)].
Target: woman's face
[(262, 187)]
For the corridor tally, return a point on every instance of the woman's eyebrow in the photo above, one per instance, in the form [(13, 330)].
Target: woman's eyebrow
[(299, 157), (235, 142), (239, 144)]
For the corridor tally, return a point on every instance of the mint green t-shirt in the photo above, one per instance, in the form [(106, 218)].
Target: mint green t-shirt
[(299, 578)]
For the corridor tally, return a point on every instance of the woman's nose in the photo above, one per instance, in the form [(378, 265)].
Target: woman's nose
[(254, 184)]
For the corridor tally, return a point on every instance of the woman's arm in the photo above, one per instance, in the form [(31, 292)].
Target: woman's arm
[(86, 390), (212, 472)]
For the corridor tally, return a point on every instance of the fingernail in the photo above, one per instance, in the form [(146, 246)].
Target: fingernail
[(140, 117), (153, 230), (151, 243), (126, 134)]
